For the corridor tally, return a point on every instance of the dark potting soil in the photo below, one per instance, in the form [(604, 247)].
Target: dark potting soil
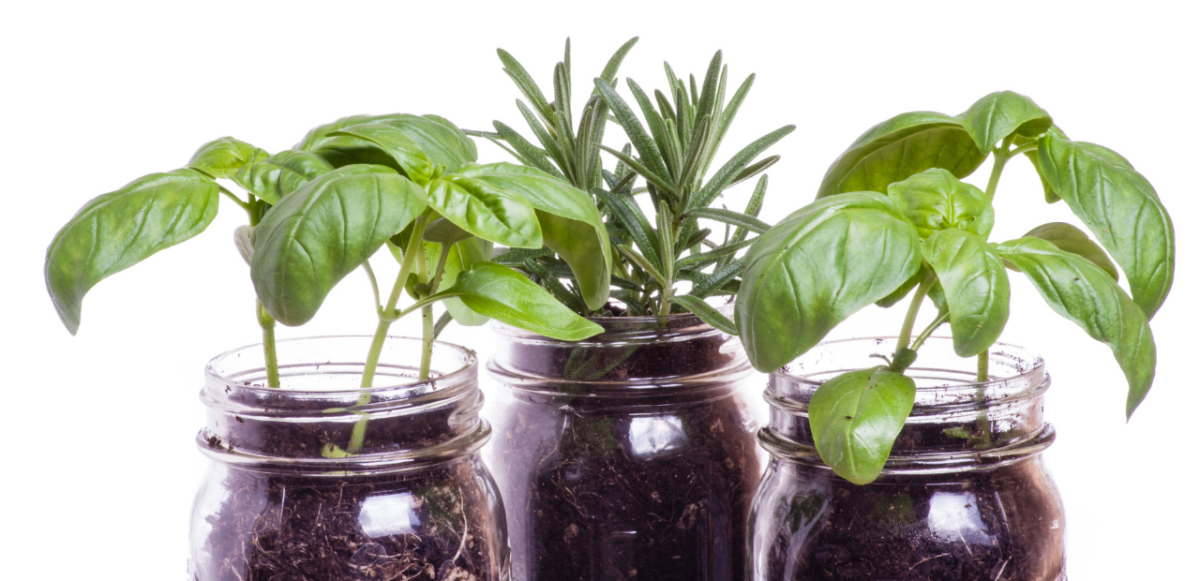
[(617, 487), (433, 524), (1001, 523)]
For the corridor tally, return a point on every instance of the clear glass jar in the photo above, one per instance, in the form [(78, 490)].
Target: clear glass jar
[(630, 455), (964, 496), (281, 500)]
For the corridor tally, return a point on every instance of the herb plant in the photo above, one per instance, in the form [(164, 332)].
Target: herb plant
[(321, 210), (892, 215), (673, 158)]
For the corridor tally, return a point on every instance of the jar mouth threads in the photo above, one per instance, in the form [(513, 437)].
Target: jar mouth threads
[(956, 422), (308, 425)]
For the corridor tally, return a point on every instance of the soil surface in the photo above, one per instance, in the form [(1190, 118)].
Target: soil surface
[(1002, 523), (440, 523), (653, 486)]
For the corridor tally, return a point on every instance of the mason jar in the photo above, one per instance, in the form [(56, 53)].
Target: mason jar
[(285, 499), (965, 494), (629, 455)]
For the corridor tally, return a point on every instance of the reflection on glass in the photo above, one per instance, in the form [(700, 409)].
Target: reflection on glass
[(387, 515), (656, 435)]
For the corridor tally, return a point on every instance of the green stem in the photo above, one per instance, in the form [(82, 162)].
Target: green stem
[(920, 340), (232, 196), (386, 318), (267, 322), (1000, 157), (910, 318), (981, 368), (982, 377), (374, 284)]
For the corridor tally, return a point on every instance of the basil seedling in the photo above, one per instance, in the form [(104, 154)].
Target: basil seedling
[(322, 209), (892, 216), (651, 255)]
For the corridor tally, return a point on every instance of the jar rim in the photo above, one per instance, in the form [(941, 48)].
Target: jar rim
[(212, 372), (1031, 366)]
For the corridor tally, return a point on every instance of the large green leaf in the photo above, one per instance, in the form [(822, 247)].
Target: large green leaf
[(1121, 208), (904, 145), (119, 229), (354, 144), (1071, 239), (571, 225), (222, 158), (855, 418), (442, 141), (281, 174), (1082, 292), (321, 232), (936, 200), (999, 115), (488, 211), (499, 292), (975, 285), (817, 267)]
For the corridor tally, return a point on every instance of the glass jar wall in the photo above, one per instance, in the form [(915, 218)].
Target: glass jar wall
[(964, 496), (629, 455), (283, 498)]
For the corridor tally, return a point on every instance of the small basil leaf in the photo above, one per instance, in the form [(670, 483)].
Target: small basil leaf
[(464, 255), (936, 200), (817, 267), (1032, 156), (571, 224), (323, 231), (318, 133), (487, 211), (244, 241), (119, 229), (1121, 208), (279, 175), (855, 418), (499, 292), (1000, 114), (221, 158), (904, 145), (1071, 239), (443, 231), (1082, 292), (975, 287)]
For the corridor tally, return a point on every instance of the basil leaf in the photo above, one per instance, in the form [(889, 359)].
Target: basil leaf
[(442, 141), (1121, 208), (818, 266), (221, 158), (281, 174), (321, 232), (1000, 114), (855, 418), (119, 229), (936, 200), (571, 224), (975, 286), (488, 211), (506, 295), (364, 143), (904, 145), (1071, 239), (1082, 292), (464, 255)]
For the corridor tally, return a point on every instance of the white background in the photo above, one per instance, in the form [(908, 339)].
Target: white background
[(98, 466)]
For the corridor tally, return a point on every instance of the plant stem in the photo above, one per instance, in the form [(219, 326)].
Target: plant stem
[(374, 284), (236, 200), (981, 367), (386, 318), (1000, 158), (982, 377), (386, 315), (267, 322), (914, 307), (920, 340)]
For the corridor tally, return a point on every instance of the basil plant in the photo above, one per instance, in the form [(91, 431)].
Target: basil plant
[(650, 255), (892, 220), (321, 210)]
